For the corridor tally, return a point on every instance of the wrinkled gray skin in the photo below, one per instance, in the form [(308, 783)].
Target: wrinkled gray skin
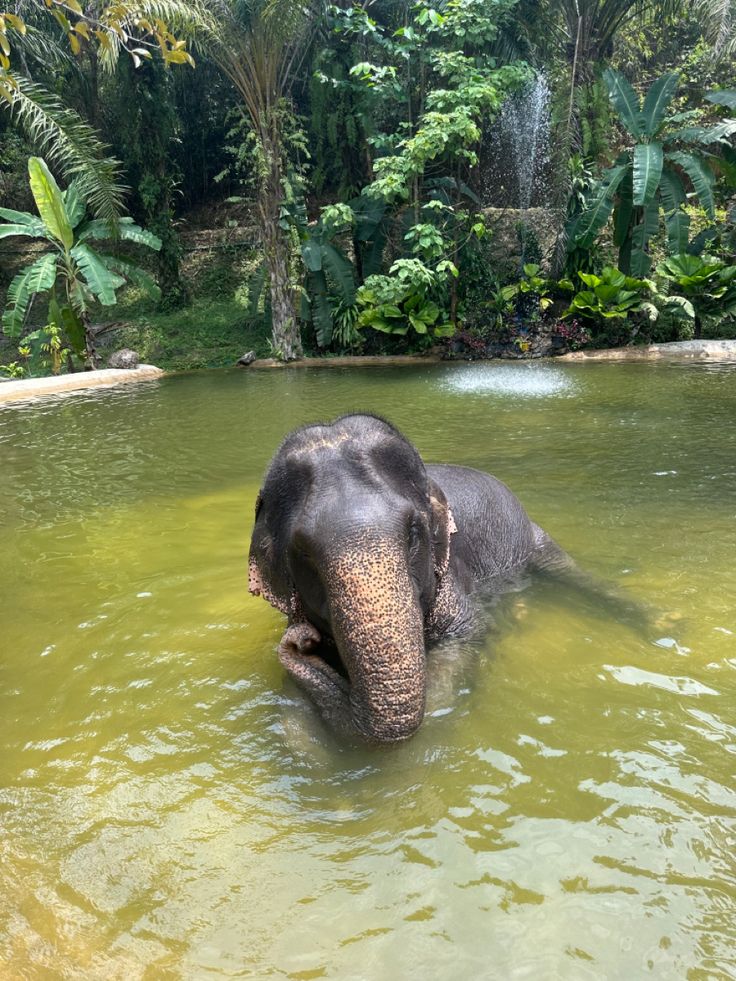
[(372, 555)]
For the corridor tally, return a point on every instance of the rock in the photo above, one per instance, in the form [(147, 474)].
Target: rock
[(124, 358), (248, 358)]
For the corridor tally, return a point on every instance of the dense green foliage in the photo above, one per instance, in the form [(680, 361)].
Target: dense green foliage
[(348, 152)]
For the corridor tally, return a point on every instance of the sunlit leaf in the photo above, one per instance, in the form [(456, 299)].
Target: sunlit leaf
[(49, 201)]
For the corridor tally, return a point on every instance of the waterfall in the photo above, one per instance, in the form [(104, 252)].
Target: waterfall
[(518, 149), (525, 120)]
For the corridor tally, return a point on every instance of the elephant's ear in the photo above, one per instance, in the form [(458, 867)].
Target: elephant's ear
[(443, 527), (263, 573)]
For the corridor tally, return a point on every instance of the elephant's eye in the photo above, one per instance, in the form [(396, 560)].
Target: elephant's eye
[(414, 535)]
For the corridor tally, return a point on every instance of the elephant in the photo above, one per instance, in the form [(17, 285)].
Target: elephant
[(372, 556)]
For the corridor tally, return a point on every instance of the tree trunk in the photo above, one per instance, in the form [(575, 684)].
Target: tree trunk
[(90, 352), (286, 338)]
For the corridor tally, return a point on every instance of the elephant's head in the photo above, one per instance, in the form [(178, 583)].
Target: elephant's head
[(352, 537)]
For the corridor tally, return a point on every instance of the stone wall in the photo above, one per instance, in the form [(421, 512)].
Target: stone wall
[(506, 236)]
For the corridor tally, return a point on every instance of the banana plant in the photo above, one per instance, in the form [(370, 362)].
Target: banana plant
[(71, 271), (666, 166), (329, 280)]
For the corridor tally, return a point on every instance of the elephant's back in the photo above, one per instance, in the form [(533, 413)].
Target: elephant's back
[(495, 534)]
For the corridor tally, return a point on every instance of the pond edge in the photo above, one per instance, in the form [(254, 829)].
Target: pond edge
[(33, 388)]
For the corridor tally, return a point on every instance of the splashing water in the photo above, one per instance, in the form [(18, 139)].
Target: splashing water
[(511, 380)]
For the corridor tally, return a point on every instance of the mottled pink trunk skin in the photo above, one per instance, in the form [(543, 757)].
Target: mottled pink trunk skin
[(379, 630)]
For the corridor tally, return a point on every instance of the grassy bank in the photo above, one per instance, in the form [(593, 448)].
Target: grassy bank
[(209, 333), (213, 330)]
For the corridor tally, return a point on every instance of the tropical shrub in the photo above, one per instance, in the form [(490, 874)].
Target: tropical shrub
[(404, 301), (436, 73), (532, 286), (609, 296), (329, 277), (73, 273), (702, 286), (12, 370), (44, 350)]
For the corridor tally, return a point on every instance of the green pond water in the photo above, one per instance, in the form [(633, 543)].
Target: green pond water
[(171, 806)]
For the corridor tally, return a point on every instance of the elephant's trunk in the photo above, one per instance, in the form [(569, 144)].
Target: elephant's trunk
[(378, 627)]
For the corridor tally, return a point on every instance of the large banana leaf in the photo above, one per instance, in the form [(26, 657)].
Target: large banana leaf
[(36, 278), (371, 253), (622, 218), (648, 160), (101, 280), (312, 255), (671, 190), (724, 97), (340, 270), (718, 133), (701, 240), (74, 203), (658, 98), (67, 320), (701, 176), (641, 262), (369, 213), (18, 217), (133, 274), (624, 100), (319, 307), (127, 230), (32, 231), (370, 234), (594, 218), (678, 230), (32, 224), (50, 202)]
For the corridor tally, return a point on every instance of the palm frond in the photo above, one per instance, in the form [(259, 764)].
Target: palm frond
[(67, 141), (185, 20), (42, 47), (719, 25)]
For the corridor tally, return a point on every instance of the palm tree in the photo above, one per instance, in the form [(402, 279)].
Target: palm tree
[(257, 44), (718, 18)]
